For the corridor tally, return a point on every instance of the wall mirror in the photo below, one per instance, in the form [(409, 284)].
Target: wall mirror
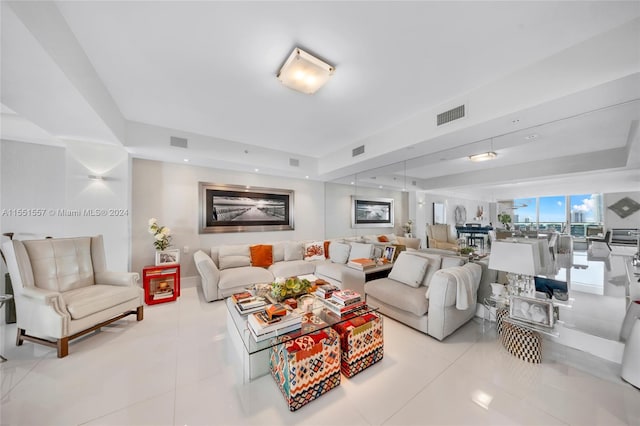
[(439, 213)]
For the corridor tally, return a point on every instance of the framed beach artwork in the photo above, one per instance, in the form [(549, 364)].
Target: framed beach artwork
[(234, 208), (371, 212), (534, 311)]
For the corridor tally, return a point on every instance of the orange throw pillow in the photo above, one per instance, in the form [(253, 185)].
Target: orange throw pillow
[(326, 249), (261, 255), (383, 239)]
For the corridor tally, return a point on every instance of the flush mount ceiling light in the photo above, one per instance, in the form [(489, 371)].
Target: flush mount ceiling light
[(304, 72)]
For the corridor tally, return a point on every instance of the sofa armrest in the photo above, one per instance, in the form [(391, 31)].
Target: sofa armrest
[(442, 291), (123, 279), (42, 297), (209, 275)]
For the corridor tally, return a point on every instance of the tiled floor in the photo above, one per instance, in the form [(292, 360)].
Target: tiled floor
[(177, 368)]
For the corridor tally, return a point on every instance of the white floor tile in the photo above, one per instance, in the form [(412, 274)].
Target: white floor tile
[(176, 367)]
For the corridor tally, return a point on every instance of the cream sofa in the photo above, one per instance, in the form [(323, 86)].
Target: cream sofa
[(63, 289), (229, 269), (431, 302)]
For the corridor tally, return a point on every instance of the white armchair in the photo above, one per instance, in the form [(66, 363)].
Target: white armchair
[(62, 290)]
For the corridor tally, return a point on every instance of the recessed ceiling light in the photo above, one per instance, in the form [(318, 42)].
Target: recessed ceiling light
[(532, 136), (306, 177), (352, 183), (186, 160), (256, 170), (304, 72), (515, 121), (380, 187), (489, 155)]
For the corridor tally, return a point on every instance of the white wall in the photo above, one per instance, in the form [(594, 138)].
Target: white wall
[(424, 210), (169, 192), (49, 180), (338, 214), (611, 219)]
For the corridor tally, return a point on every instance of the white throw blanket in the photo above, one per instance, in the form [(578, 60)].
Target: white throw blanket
[(465, 287)]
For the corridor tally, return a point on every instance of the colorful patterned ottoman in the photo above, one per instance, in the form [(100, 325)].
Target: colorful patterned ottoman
[(306, 367), (361, 342)]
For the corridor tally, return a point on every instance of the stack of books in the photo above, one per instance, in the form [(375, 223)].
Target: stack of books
[(246, 303), (361, 263), (342, 302), (324, 291), (263, 328)]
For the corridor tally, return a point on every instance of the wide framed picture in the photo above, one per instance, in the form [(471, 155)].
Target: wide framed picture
[(167, 257), (389, 253), (534, 311), (371, 212), (234, 208)]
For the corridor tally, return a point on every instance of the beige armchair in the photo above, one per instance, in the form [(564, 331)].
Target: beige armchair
[(63, 290), (441, 236)]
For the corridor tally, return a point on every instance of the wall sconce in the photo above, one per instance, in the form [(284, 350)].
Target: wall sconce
[(95, 177)]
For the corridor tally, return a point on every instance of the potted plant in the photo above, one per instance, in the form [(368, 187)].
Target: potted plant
[(505, 219)]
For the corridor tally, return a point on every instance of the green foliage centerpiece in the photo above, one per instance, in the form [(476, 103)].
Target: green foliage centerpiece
[(282, 288)]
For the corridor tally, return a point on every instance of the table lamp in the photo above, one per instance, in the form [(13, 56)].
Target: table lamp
[(521, 261)]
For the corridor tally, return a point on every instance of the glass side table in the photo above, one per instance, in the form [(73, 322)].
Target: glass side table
[(3, 299), (491, 306)]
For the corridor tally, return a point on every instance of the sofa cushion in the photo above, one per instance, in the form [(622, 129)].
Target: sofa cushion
[(360, 251), (409, 269), (314, 250), (450, 261), (84, 301), (245, 275), (383, 239), (331, 270), (292, 268), (278, 251), (434, 261), (234, 256), (339, 252), (261, 255), (326, 249), (293, 250), (399, 295)]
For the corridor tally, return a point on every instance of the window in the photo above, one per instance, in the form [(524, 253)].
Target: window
[(553, 213), (585, 214)]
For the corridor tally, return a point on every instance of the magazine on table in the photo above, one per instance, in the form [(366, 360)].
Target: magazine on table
[(260, 323)]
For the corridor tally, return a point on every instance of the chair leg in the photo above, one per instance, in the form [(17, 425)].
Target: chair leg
[(140, 313), (19, 340), (63, 347)]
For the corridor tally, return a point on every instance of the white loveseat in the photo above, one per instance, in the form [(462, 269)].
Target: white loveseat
[(433, 293), (63, 289)]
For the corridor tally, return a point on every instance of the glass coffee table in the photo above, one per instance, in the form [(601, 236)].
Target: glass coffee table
[(255, 355)]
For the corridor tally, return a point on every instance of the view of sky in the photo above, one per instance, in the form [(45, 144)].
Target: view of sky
[(552, 209)]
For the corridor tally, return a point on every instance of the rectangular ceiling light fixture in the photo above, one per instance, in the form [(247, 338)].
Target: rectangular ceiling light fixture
[(490, 155), (304, 72)]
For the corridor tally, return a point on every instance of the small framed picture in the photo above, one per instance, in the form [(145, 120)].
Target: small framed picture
[(534, 311), (167, 257), (389, 253)]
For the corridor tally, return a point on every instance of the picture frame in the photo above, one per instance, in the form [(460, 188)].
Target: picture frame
[(167, 257), (389, 253), (236, 208), (439, 214), (372, 212), (531, 310)]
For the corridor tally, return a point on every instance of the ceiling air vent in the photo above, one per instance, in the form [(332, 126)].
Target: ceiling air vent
[(452, 114), (294, 162), (357, 151), (178, 142)]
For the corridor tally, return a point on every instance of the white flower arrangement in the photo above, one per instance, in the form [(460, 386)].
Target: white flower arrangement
[(407, 226), (161, 234)]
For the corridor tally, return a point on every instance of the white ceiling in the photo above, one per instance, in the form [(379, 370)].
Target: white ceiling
[(136, 73)]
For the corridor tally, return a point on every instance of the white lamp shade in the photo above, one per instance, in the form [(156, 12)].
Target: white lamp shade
[(522, 257)]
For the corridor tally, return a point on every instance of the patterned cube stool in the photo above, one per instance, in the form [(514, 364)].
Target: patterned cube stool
[(305, 367), (521, 342), (500, 314), (361, 343)]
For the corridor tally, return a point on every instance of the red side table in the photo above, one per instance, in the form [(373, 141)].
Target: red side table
[(161, 283)]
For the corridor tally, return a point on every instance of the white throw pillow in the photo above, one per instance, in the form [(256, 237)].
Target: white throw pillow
[(409, 269), (360, 251), (314, 251), (339, 252), (293, 251), (234, 256)]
